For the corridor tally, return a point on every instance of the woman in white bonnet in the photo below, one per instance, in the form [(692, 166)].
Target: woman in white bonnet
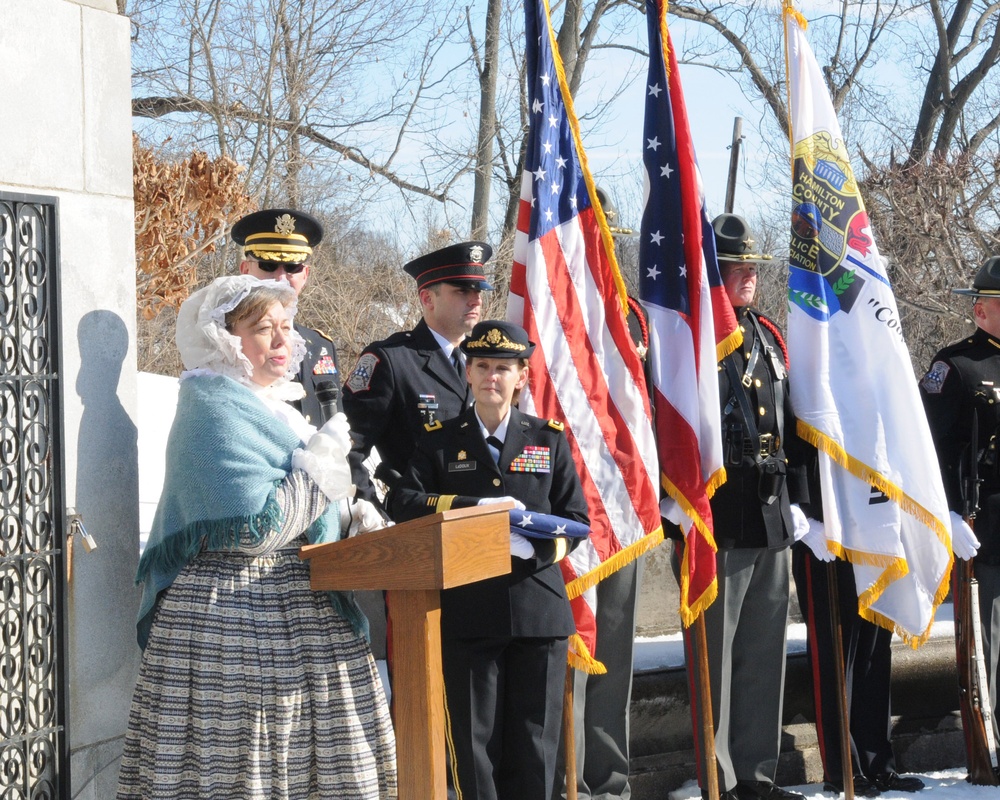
[(251, 685)]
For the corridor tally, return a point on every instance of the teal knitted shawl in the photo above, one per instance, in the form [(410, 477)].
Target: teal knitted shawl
[(226, 455)]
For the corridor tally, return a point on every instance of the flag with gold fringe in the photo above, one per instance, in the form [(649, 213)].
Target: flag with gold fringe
[(853, 388), (567, 292), (691, 321)]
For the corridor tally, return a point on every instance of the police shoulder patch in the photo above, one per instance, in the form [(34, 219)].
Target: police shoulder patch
[(433, 426), (556, 425), (933, 381), (361, 376)]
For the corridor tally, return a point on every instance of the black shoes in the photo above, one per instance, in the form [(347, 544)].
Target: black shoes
[(763, 790), (862, 787), (894, 782)]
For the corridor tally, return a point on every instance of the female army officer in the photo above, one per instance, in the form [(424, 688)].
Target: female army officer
[(504, 640)]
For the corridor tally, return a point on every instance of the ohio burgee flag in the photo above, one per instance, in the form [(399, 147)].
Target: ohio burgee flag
[(691, 321), (852, 385), (567, 292)]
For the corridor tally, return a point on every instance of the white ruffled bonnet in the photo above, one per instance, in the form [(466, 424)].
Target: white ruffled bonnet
[(204, 342)]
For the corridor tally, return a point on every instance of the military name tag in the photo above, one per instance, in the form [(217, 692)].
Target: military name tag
[(461, 466), (534, 458)]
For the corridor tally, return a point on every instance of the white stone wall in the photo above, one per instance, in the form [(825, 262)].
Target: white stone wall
[(67, 133)]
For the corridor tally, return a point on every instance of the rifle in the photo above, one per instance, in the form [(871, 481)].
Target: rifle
[(974, 703)]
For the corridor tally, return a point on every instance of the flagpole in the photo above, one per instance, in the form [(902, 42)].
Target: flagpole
[(734, 162), (843, 715), (705, 708)]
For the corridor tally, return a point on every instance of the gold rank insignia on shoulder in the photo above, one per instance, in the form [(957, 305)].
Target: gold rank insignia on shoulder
[(556, 425), (432, 426)]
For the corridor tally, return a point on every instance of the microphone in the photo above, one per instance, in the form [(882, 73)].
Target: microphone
[(327, 393)]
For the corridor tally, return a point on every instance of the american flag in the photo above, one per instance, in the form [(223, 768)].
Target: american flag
[(691, 321), (567, 292)]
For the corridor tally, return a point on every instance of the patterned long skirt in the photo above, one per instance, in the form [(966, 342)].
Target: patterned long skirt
[(252, 686)]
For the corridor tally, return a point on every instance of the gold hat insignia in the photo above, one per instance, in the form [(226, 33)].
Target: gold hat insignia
[(285, 224)]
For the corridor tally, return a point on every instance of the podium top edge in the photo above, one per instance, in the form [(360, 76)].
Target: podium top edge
[(307, 551)]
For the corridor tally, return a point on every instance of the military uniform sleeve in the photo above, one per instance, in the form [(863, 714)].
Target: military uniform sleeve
[(423, 489), (950, 418), (368, 393), (566, 499)]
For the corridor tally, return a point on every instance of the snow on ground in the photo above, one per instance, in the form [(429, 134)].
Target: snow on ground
[(947, 785)]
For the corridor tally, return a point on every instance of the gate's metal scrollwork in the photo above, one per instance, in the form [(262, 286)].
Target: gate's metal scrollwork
[(32, 696)]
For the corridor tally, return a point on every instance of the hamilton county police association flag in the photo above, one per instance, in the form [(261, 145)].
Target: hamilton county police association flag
[(567, 292), (853, 388), (691, 321)]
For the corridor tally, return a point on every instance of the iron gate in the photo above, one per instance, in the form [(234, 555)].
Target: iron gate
[(33, 741)]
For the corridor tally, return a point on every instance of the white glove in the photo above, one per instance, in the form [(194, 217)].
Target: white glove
[(339, 429), (964, 543), (324, 459), (800, 523), (815, 540), (520, 547), (361, 516), (485, 501)]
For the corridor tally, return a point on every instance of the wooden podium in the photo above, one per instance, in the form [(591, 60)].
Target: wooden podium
[(414, 561)]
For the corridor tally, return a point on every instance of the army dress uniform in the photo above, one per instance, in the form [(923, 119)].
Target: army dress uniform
[(398, 386), (405, 382), (504, 640), (320, 377)]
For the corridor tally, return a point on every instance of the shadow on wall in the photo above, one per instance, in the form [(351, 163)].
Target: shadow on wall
[(104, 655)]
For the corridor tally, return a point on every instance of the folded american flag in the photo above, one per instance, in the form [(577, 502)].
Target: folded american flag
[(535, 525)]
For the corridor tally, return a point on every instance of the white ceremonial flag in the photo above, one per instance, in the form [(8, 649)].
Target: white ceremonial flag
[(853, 388)]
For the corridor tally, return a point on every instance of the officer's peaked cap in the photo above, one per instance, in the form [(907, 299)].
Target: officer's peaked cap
[(461, 263), (282, 235), (494, 338)]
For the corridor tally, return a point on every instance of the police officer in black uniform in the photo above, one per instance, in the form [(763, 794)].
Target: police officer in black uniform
[(277, 244), (416, 377), (754, 528), (961, 394), (504, 640)]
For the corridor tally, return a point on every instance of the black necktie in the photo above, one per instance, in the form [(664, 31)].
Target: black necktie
[(493, 441), (456, 360)]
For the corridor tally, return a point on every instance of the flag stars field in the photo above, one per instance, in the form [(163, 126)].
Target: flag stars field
[(654, 143), (655, 90)]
